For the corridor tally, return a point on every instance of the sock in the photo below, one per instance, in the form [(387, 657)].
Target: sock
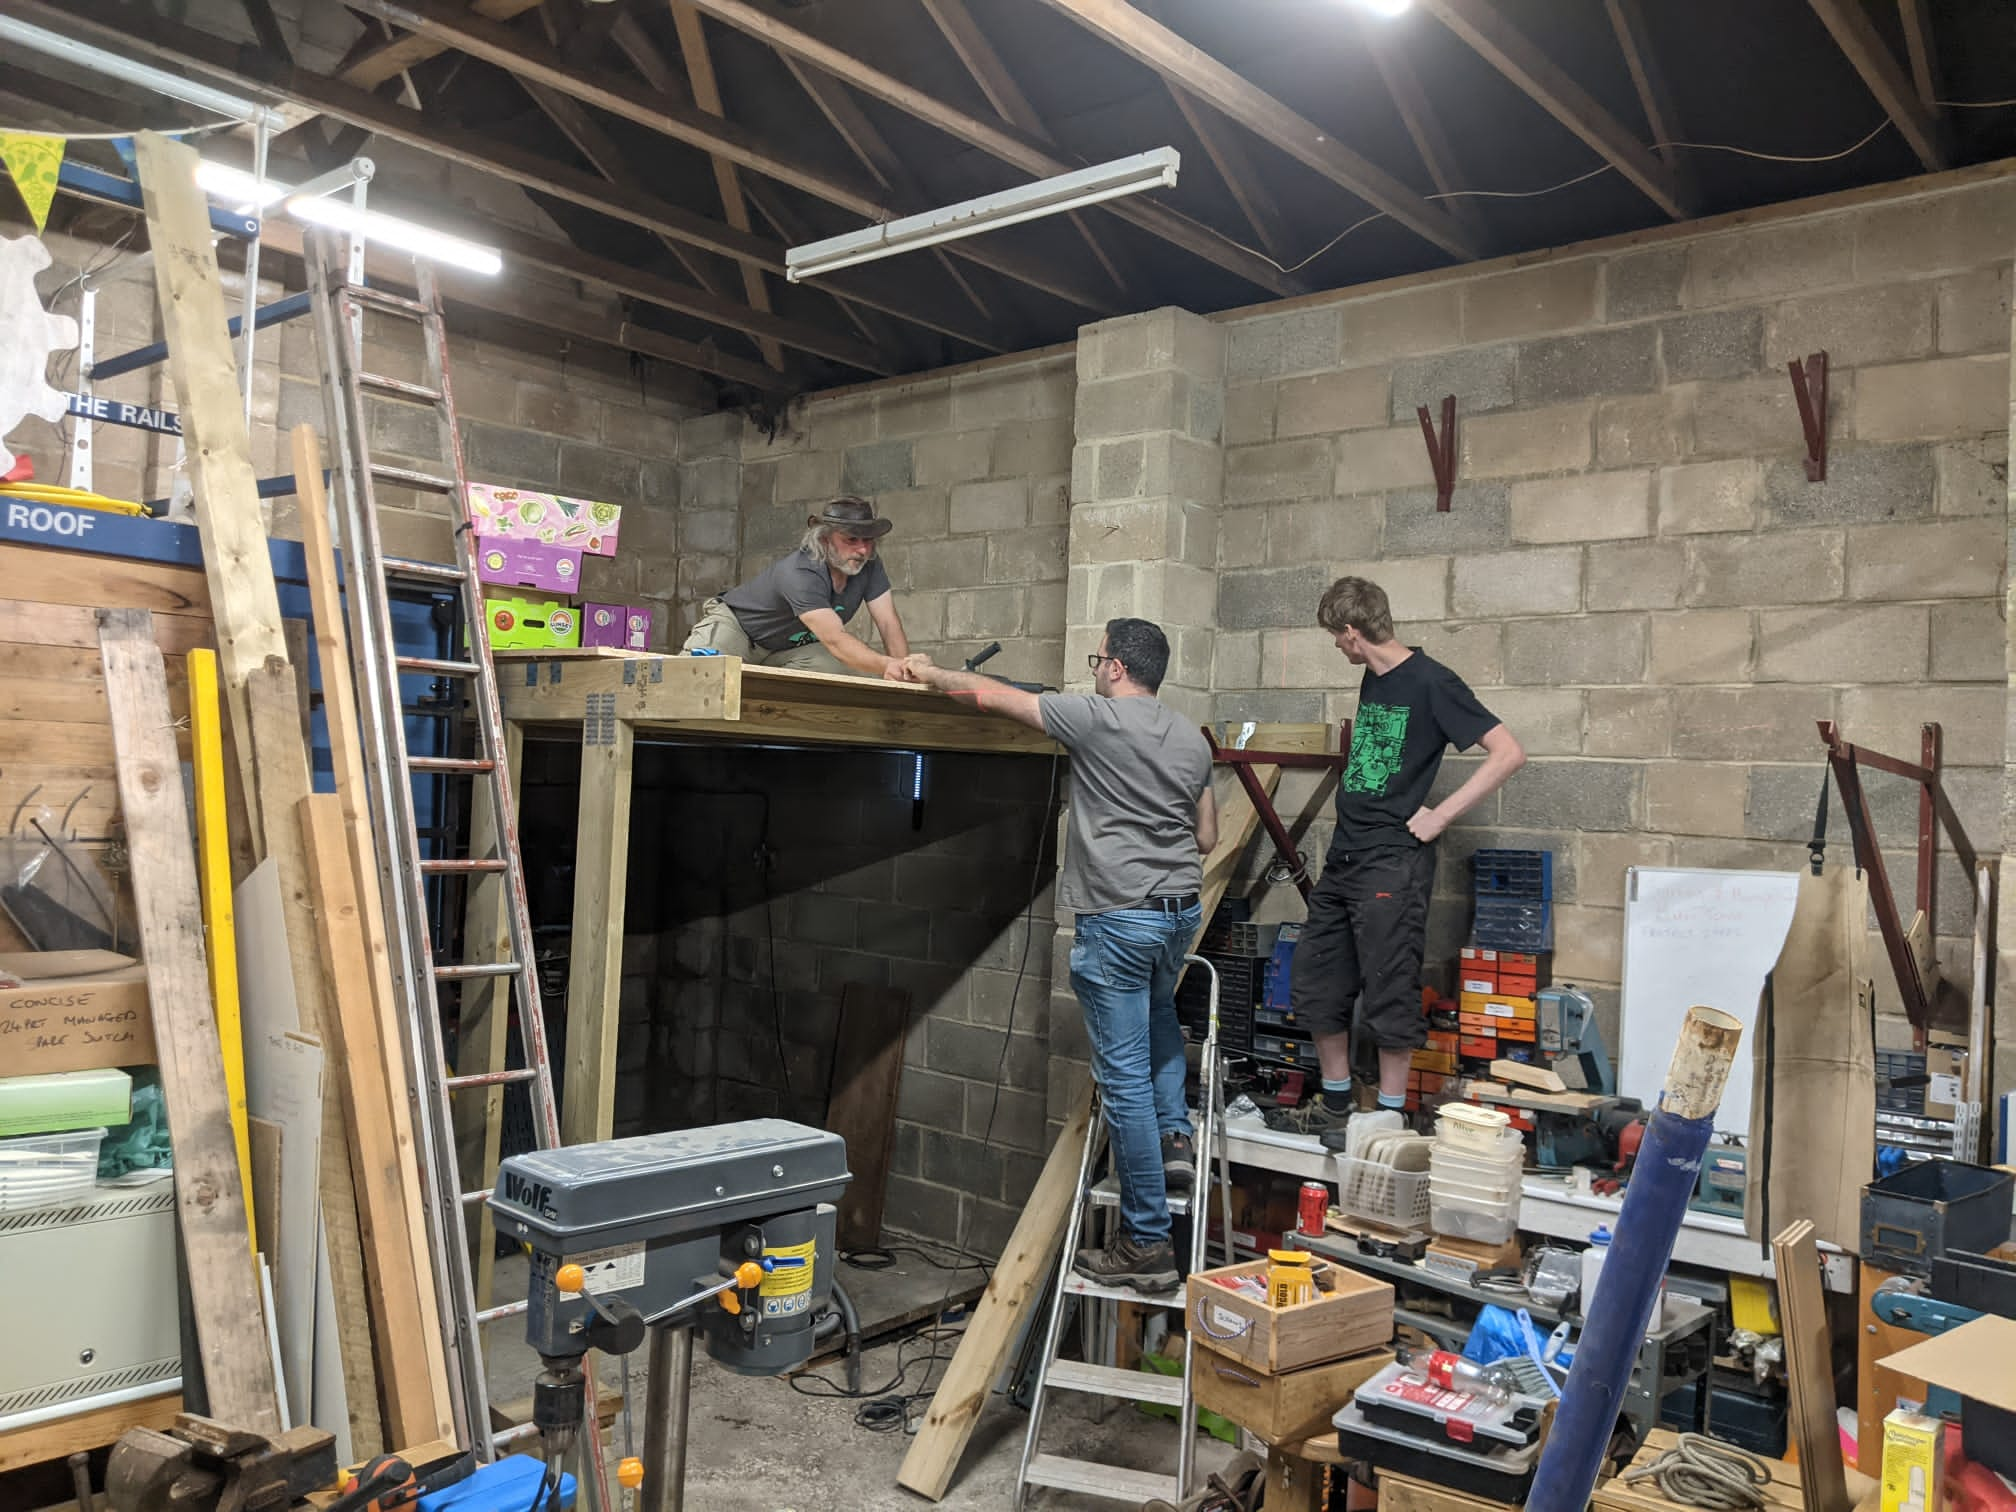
[(1337, 1095), (1397, 1101)]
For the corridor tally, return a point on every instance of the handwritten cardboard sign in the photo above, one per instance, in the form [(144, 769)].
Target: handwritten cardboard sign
[(76, 1024)]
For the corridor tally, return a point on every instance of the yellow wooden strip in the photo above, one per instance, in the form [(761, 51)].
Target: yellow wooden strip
[(220, 932)]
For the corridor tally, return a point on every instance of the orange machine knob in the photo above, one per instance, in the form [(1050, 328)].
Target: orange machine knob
[(630, 1473), (748, 1275), (570, 1277)]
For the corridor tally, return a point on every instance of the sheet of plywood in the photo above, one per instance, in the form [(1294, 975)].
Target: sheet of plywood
[(283, 1090), (1809, 1368)]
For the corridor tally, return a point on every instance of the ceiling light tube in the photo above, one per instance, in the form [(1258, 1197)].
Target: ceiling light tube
[(1067, 191), (202, 96), (310, 205)]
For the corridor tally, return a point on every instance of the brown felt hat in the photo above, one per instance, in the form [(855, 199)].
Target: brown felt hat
[(855, 517)]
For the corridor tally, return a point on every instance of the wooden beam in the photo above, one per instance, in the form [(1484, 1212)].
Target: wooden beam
[(1005, 95), (1007, 1306), (697, 127), (346, 753), (1004, 143), (1809, 1370), (872, 325), (93, 1428), (1917, 18), (1627, 20), (1856, 35), (224, 1292), (404, 1314), (595, 980), (707, 95), (606, 158), (1493, 37), (483, 1024), (1154, 45), (1423, 123), (1235, 169), (388, 59)]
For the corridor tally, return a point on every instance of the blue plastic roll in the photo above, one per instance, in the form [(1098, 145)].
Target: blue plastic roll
[(1662, 1183)]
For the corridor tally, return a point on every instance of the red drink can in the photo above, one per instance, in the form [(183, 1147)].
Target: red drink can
[(1313, 1203)]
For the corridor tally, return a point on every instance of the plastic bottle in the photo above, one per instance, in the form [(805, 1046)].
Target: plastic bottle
[(1592, 1267)]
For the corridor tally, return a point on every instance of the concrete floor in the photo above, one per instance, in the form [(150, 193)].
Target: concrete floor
[(759, 1446)]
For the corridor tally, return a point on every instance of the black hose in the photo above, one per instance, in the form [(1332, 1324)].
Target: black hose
[(852, 1320)]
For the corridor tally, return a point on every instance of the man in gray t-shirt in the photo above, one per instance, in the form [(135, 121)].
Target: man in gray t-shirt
[(1142, 813), (795, 612)]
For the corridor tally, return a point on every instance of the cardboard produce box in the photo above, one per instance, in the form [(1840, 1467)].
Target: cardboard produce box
[(1285, 1408), (76, 1023), (1354, 1317)]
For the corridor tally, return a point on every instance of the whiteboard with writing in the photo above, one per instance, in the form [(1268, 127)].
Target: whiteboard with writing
[(1708, 937)]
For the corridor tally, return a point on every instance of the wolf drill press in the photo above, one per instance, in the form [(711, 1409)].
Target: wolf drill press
[(724, 1231)]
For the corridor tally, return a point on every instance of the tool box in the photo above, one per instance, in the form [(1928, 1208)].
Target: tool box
[(1493, 1471), (1396, 1398)]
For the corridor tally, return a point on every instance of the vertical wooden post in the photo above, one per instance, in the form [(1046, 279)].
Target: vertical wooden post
[(483, 1037), (595, 982)]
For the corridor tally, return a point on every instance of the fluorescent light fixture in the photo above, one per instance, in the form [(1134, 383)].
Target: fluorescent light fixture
[(1387, 8), (990, 212), (308, 205), (202, 96)]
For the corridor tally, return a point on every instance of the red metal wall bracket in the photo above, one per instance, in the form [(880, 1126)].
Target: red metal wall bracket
[(1242, 764), (1809, 389), (1441, 449)]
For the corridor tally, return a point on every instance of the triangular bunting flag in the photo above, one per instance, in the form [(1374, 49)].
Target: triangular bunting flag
[(34, 161)]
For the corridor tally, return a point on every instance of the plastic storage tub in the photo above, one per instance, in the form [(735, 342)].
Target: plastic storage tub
[(1497, 1174), (1465, 1126), (41, 1170), (1460, 1219), (1380, 1194)]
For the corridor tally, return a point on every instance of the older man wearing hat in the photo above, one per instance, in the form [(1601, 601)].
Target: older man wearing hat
[(795, 612)]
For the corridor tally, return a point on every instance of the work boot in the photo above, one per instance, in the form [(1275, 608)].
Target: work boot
[(1127, 1262), (1314, 1117), (1179, 1162)]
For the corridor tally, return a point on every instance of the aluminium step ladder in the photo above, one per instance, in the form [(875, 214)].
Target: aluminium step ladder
[(1091, 1477), (408, 878)]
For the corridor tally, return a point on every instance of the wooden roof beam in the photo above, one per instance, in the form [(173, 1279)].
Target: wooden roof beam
[(672, 115), (126, 28), (1627, 20), (1002, 142), (1150, 43), (379, 63), (1235, 170), (707, 95), (1917, 18), (1424, 126), (1856, 35), (1481, 24), (1005, 95)]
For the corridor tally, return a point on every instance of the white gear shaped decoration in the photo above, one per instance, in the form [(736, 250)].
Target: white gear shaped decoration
[(28, 335)]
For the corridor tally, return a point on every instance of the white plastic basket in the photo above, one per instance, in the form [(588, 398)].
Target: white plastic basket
[(1379, 1194), (41, 1170)]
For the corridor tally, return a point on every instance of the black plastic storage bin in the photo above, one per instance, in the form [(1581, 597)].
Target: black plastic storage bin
[(1911, 1216)]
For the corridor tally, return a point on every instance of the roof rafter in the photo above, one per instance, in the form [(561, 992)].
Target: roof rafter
[(1005, 95), (707, 95), (1484, 27), (1424, 125), (1917, 18), (1002, 142), (1627, 20), (1856, 35), (122, 26), (1149, 42)]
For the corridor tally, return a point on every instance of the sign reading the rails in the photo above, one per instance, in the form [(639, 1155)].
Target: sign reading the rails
[(117, 412)]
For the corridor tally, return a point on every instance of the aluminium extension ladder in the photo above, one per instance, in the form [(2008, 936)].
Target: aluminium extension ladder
[(1091, 1477), (339, 299)]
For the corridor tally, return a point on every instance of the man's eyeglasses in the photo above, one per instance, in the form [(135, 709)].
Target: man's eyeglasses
[(1095, 658)]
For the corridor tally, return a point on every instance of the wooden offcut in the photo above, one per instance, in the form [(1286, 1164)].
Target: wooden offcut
[(595, 982), (1809, 1368), (224, 1290), (1519, 1074), (402, 1314), (861, 1109), (346, 754)]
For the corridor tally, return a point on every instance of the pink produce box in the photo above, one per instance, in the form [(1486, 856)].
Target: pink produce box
[(552, 519), (528, 564), (624, 625)]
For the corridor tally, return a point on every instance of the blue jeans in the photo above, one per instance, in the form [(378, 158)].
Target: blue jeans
[(1124, 966)]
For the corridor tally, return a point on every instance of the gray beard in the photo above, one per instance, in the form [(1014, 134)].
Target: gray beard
[(849, 569)]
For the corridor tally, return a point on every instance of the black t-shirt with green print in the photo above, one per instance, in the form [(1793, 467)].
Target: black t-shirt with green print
[(1406, 718)]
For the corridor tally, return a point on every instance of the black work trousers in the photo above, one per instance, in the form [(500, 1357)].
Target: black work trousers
[(1362, 946)]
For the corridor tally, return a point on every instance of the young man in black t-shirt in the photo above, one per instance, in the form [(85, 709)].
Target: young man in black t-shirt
[(1368, 914)]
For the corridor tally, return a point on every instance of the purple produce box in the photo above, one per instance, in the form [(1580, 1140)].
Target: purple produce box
[(513, 563), (627, 626)]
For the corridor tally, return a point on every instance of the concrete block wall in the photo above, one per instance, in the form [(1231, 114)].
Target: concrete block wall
[(1635, 573), (973, 466)]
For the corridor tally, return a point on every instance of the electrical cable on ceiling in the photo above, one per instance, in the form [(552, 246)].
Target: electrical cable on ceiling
[(1974, 104), (114, 136), (1596, 172)]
